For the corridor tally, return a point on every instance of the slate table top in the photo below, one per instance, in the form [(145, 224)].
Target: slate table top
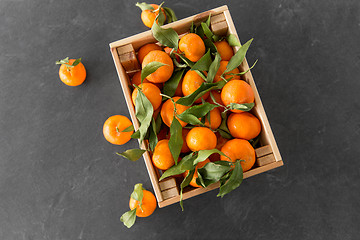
[(60, 179)]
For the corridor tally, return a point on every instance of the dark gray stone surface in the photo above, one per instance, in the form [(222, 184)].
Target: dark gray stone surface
[(60, 179)]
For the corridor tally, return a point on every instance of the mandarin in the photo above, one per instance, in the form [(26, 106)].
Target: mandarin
[(201, 138), (244, 125), (224, 49), (237, 91), (148, 204), (72, 76), (113, 128), (151, 92), (193, 46), (163, 73), (191, 82), (162, 157), (167, 111), (239, 149)]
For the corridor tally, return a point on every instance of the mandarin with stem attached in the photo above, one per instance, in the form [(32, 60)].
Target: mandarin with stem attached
[(163, 73), (162, 157), (239, 149), (193, 46), (148, 16), (72, 75), (167, 111), (151, 92), (237, 91), (148, 204), (113, 128), (191, 82)]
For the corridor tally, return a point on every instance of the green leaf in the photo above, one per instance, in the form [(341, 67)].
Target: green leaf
[(176, 140), (158, 123), (254, 141), (233, 40), (129, 129), (198, 110), (191, 119), (190, 99), (144, 6), (150, 68), (212, 172), (242, 107), (204, 62), (137, 194), (223, 129), (210, 45), (76, 62), (136, 135), (187, 163), (192, 28), (185, 60), (235, 179), (242, 73), (208, 20), (153, 140), (214, 67), (238, 58), (204, 154), (171, 85), (167, 37), (185, 183), (65, 62), (201, 74), (199, 31), (170, 14), (132, 154), (144, 112), (129, 218), (217, 38), (208, 33)]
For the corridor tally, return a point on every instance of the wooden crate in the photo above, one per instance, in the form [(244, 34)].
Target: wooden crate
[(124, 55)]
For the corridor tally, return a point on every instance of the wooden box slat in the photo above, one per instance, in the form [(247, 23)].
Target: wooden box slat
[(164, 193)]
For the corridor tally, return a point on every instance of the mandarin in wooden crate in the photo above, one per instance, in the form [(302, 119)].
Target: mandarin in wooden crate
[(123, 51)]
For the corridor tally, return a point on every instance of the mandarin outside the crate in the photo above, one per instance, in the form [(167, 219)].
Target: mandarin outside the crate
[(162, 74), (193, 46), (224, 49), (217, 96), (215, 119), (167, 111), (148, 204), (148, 16), (193, 180), (113, 128), (191, 82), (244, 125), (237, 91), (151, 92), (144, 50), (220, 143), (72, 76), (239, 149), (201, 138), (222, 69), (162, 158)]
